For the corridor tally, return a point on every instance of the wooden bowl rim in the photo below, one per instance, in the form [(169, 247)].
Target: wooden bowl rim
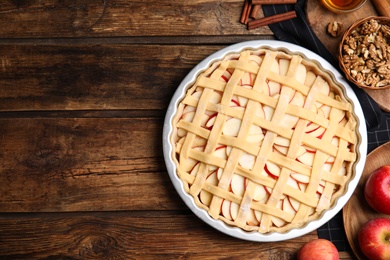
[(382, 19)]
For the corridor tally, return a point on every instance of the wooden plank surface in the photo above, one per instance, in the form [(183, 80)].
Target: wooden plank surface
[(83, 164), (129, 235), (90, 18), (85, 77)]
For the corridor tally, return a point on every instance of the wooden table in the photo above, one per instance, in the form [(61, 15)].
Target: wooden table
[(84, 88)]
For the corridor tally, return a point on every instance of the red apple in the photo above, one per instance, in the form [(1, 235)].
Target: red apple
[(374, 238), (318, 249), (377, 189)]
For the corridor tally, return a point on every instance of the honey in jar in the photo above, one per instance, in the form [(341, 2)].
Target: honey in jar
[(343, 5)]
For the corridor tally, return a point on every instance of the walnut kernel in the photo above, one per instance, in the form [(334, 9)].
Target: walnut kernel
[(334, 28), (366, 54)]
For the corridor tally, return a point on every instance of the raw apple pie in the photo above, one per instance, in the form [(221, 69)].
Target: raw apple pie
[(264, 140)]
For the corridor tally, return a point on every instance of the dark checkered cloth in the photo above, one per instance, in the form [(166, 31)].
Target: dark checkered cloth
[(298, 31)]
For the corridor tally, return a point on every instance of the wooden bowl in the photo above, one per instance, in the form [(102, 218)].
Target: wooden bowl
[(345, 67)]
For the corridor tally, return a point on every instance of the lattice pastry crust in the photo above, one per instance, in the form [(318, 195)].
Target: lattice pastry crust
[(264, 140)]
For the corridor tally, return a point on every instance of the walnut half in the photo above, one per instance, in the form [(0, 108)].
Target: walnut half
[(334, 28)]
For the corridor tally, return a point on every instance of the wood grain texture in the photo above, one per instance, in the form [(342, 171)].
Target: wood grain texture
[(86, 77), (129, 235), (357, 212), (89, 18), (83, 164)]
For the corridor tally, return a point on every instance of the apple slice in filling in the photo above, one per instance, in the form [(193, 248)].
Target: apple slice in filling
[(274, 87), (204, 196), (231, 127), (251, 219), (225, 209), (300, 73), (306, 158), (226, 75), (219, 152), (247, 161), (246, 80), (310, 78), (276, 220), (300, 178), (272, 170), (238, 184)]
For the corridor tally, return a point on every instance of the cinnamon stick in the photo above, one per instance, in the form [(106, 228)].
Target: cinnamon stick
[(246, 10), (271, 19), (255, 11), (273, 2)]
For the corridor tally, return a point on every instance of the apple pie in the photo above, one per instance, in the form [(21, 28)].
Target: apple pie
[(264, 140)]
